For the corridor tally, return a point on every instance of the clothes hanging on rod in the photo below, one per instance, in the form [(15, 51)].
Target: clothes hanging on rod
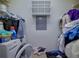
[(14, 20), (76, 5)]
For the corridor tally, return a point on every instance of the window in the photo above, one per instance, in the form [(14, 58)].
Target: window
[(41, 7), (41, 22)]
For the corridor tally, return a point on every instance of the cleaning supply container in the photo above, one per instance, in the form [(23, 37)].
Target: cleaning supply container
[(12, 28), (5, 36)]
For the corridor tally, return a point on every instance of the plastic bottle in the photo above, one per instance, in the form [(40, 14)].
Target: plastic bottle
[(1, 25), (1, 38), (12, 28)]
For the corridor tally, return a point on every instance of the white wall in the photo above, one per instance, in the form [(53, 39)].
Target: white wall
[(46, 38)]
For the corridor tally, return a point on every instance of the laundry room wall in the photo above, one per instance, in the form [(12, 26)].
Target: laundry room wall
[(47, 38)]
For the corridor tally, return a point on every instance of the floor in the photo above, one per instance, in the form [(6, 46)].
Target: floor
[(42, 55)]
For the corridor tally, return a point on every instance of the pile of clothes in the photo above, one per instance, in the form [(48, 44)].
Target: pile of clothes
[(70, 33)]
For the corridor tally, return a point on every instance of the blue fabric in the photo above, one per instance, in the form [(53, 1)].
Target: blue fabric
[(74, 14), (55, 53), (21, 29), (72, 35), (13, 34)]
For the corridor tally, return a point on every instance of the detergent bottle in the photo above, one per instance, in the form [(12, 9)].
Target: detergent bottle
[(12, 28), (1, 25)]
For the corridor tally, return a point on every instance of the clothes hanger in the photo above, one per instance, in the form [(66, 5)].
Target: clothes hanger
[(4, 10), (76, 6)]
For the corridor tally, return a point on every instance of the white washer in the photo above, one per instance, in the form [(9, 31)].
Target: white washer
[(25, 51), (9, 49), (15, 49)]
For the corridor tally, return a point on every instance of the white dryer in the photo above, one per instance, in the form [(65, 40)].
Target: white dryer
[(9, 49), (15, 49)]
